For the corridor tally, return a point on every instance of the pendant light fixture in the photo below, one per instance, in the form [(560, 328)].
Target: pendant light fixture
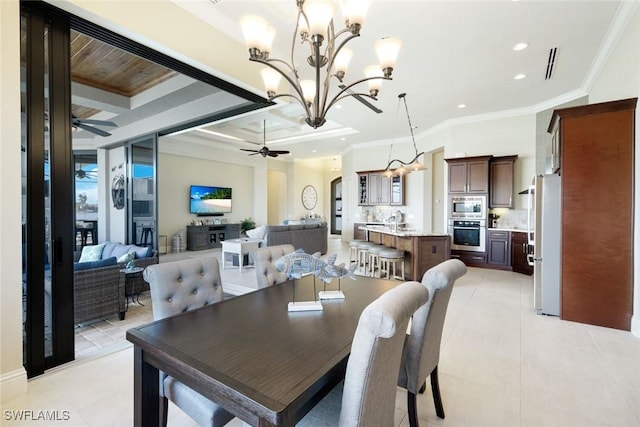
[(414, 164)]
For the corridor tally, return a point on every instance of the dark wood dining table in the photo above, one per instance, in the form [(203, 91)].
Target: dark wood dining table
[(249, 354)]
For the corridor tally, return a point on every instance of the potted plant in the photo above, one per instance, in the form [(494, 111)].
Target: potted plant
[(247, 224)]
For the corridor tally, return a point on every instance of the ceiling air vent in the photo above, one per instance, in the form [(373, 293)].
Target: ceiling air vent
[(551, 62)]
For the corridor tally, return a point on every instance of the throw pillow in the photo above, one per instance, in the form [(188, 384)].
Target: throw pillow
[(256, 233), (91, 253), (127, 257)]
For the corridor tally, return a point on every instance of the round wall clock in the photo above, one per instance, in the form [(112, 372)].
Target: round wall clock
[(309, 197)]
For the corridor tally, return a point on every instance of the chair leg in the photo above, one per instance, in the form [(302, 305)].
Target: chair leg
[(423, 388), (412, 409), (435, 389)]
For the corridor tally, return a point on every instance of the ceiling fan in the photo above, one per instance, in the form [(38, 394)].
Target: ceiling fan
[(264, 151), (89, 125), (81, 174)]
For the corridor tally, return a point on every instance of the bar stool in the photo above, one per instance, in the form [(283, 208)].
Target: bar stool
[(363, 251), (353, 250), (374, 259), (389, 259)]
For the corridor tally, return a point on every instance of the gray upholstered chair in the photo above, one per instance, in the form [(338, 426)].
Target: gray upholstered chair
[(421, 352), (264, 261), (369, 393), (177, 287)]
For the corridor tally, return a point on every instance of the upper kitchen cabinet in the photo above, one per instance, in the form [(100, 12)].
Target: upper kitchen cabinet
[(596, 146), (501, 182), (375, 188), (469, 174)]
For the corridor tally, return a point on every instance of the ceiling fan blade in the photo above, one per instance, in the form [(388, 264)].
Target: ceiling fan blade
[(272, 154), (279, 151), (361, 99), (246, 149), (95, 122), (91, 129)]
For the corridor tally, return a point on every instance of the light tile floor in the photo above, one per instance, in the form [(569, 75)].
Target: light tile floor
[(501, 365)]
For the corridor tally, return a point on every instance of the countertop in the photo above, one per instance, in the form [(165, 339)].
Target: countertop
[(519, 230), (401, 232)]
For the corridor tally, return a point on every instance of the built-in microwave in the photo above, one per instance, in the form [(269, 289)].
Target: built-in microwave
[(468, 207)]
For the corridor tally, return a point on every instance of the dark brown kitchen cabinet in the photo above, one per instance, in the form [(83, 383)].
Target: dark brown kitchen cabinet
[(471, 259), (469, 174), (596, 146), (501, 182), (519, 251), (498, 248)]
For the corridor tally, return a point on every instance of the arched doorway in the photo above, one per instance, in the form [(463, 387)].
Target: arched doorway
[(336, 206)]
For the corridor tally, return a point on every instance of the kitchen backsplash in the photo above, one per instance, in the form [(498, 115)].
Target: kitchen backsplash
[(512, 218)]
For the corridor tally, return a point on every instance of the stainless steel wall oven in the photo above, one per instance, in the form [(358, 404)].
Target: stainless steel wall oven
[(468, 235)]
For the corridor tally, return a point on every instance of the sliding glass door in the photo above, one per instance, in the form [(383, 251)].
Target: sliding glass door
[(47, 193), (142, 212)]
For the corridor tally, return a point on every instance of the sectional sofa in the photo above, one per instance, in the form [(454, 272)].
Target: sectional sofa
[(99, 286), (309, 236)]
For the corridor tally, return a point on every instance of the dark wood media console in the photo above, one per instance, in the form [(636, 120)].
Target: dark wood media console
[(200, 237)]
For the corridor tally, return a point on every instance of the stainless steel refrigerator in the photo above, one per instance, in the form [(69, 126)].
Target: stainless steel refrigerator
[(545, 227)]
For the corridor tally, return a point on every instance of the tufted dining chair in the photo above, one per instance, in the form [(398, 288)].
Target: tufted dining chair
[(368, 395), (176, 287), (421, 352), (264, 261)]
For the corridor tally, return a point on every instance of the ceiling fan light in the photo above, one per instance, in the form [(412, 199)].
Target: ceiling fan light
[(319, 13), (387, 49)]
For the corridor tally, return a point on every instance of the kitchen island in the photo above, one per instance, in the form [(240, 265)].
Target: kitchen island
[(423, 250)]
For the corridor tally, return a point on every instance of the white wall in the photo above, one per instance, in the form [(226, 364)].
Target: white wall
[(13, 379), (177, 172), (277, 196)]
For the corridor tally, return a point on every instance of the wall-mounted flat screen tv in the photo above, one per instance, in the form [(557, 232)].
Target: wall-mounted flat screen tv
[(205, 200)]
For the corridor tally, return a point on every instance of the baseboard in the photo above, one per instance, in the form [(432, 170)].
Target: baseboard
[(13, 384), (635, 325)]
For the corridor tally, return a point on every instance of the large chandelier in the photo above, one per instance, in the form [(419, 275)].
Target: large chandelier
[(315, 27), (412, 165)]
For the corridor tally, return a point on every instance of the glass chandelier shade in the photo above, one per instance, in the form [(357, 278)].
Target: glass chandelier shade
[(327, 56)]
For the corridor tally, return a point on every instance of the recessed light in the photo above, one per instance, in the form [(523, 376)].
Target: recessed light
[(519, 76), (520, 46), (338, 106), (462, 105), (314, 151)]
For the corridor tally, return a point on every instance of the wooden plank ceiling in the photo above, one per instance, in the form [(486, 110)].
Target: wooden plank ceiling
[(102, 66)]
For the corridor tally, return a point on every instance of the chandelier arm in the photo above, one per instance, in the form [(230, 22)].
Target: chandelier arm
[(329, 53), (340, 46), (295, 86), (340, 95), (293, 38), (269, 61), (288, 95)]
